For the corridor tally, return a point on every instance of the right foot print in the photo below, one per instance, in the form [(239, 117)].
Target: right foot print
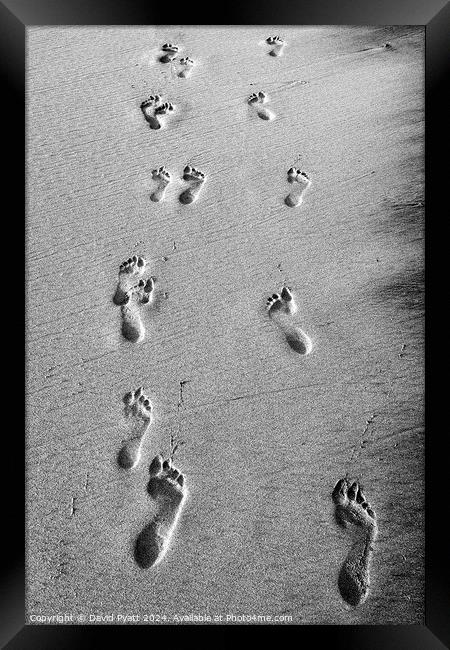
[(153, 110), (187, 64), (256, 101), (170, 52), (295, 197), (281, 308), (352, 508), (166, 487), (278, 44), (138, 409), (129, 270), (198, 178), (163, 176), (132, 327)]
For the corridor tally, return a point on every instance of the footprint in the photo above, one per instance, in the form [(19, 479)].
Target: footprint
[(281, 308), (187, 64), (163, 176), (256, 101), (295, 197), (129, 270), (148, 109), (138, 409), (161, 110), (352, 508), (278, 44), (166, 487), (198, 178), (132, 327), (153, 110), (170, 52)]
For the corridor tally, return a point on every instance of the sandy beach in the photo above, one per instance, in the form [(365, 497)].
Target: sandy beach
[(264, 432)]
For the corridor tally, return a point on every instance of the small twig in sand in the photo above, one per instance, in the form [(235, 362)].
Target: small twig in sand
[(175, 440), (362, 442)]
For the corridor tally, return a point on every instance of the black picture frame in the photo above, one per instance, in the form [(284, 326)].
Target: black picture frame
[(15, 17)]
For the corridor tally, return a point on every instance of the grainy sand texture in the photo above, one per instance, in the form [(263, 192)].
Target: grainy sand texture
[(225, 324)]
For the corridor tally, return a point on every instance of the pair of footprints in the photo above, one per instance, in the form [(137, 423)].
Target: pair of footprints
[(197, 178), (155, 110), (169, 55), (167, 488), (257, 101), (170, 52), (166, 485), (194, 176), (133, 291), (130, 295)]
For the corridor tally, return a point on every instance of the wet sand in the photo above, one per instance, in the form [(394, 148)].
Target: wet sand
[(267, 432)]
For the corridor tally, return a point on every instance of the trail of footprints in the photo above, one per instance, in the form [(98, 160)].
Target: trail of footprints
[(166, 485), (135, 290)]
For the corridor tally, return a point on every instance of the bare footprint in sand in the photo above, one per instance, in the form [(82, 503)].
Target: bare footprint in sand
[(256, 101), (353, 509), (197, 178), (281, 308), (278, 45), (138, 410), (166, 487), (300, 182), (186, 70), (163, 177), (132, 326), (154, 110), (170, 52), (129, 271)]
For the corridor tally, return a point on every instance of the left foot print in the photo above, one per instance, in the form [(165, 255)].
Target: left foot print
[(256, 101), (198, 178), (153, 110)]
